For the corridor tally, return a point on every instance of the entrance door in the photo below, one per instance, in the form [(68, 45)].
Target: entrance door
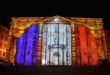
[(56, 43)]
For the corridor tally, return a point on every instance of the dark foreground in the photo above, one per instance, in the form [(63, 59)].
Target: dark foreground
[(55, 70)]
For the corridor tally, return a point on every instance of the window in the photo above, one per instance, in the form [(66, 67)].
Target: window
[(5, 38), (96, 32), (7, 32), (0, 52), (0, 44), (5, 44), (2, 36), (3, 53)]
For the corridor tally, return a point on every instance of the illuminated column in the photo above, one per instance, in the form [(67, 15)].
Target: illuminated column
[(102, 50), (73, 44), (77, 47), (40, 45), (104, 46), (13, 51), (9, 45)]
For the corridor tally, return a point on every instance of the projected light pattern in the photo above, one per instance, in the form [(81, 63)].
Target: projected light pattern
[(87, 49), (56, 43), (27, 46), (20, 42)]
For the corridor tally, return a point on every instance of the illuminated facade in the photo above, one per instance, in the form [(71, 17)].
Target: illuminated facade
[(107, 36), (56, 41), (3, 41)]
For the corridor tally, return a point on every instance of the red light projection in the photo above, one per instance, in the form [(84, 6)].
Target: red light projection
[(86, 49)]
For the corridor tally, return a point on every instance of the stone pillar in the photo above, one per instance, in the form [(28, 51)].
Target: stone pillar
[(39, 56)]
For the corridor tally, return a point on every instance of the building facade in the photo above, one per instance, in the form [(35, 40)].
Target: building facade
[(56, 41), (107, 36), (3, 41)]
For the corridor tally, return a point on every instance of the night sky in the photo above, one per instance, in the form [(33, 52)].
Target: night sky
[(6, 21), (56, 7)]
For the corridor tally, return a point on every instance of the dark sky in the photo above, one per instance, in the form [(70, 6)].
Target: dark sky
[(5, 21), (64, 8)]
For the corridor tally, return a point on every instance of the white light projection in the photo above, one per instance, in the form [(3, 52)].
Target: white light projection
[(56, 43)]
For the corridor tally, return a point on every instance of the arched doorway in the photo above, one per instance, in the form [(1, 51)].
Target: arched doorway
[(56, 42)]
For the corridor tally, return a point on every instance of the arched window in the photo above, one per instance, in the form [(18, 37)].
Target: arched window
[(56, 43)]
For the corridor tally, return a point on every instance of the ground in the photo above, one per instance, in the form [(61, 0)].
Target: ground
[(55, 70)]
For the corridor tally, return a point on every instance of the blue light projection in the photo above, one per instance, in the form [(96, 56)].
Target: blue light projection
[(27, 46)]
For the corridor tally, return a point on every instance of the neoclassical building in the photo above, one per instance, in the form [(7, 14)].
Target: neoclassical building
[(56, 41)]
